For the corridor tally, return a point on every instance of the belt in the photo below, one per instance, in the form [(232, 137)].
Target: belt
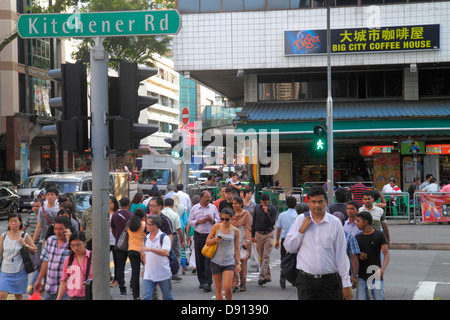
[(318, 276), (201, 234), (264, 232)]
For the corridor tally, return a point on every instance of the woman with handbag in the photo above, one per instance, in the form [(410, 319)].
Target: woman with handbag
[(136, 237), (226, 259), (13, 276)]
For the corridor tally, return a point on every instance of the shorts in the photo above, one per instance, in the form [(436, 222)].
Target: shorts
[(217, 268)]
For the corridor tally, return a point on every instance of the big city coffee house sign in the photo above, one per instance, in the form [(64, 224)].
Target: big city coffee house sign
[(99, 24), (352, 40)]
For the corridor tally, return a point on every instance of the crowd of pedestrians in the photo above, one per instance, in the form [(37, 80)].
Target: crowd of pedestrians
[(336, 248)]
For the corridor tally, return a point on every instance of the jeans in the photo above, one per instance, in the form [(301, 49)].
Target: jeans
[(148, 286), (376, 289)]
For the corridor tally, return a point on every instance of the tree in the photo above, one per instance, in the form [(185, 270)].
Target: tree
[(131, 49)]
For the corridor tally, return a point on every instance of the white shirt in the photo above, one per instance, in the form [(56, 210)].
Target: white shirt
[(322, 249), (157, 268), (184, 199), (432, 187)]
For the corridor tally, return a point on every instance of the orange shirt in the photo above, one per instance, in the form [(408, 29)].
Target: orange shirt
[(136, 239)]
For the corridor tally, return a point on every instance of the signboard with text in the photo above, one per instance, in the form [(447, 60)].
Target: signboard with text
[(351, 40), (99, 24), (438, 148)]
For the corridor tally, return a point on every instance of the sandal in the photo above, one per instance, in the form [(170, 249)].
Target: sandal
[(242, 288)]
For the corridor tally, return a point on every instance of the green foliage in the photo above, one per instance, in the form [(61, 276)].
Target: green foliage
[(131, 49)]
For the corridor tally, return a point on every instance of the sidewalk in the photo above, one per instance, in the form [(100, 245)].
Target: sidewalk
[(419, 236)]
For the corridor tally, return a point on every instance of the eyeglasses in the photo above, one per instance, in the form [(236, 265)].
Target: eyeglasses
[(225, 219), (76, 245)]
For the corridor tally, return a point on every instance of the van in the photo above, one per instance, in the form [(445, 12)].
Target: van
[(81, 181)]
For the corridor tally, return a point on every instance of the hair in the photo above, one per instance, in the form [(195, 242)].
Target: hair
[(227, 211), (53, 190), (138, 197), (302, 207), (159, 201), (63, 211), (67, 206), (139, 212), (428, 176), (376, 195), (76, 235), (340, 216), (341, 195), (392, 179), (168, 202), (135, 223), (124, 202), (291, 202), (365, 215), (277, 183), (359, 179), (247, 189), (156, 220), (18, 216), (432, 180), (354, 203), (179, 187), (264, 197), (368, 193), (169, 187), (63, 220), (229, 189), (238, 200), (115, 202), (62, 198), (39, 200), (317, 191), (202, 194), (195, 199)]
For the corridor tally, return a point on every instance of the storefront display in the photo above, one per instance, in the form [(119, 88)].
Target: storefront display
[(385, 166)]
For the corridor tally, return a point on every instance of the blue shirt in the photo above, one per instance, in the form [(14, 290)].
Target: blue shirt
[(285, 221)]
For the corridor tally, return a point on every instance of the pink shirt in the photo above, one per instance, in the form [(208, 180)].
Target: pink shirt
[(75, 275), (446, 188)]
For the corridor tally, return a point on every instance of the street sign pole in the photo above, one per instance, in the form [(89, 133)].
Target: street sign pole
[(330, 152), (100, 171)]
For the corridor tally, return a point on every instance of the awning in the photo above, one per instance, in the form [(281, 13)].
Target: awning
[(355, 119)]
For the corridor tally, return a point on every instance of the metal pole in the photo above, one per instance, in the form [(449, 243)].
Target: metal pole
[(330, 152), (100, 171)]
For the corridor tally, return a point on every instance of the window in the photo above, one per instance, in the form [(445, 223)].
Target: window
[(254, 4), (233, 5), (188, 6), (209, 5), (434, 82), (278, 4)]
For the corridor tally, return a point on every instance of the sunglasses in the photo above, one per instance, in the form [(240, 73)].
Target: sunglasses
[(225, 219)]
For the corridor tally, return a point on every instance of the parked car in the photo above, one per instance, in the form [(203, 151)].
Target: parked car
[(29, 186), (202, 175), (80, 181), (9, 202)]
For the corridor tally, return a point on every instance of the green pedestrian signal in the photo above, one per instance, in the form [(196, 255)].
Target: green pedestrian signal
[(320, 138)]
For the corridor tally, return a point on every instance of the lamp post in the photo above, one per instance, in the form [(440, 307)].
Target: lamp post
[(330, 152)]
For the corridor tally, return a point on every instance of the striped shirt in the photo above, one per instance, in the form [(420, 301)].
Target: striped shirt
[(31, 223), (55, 257), (357, 190)]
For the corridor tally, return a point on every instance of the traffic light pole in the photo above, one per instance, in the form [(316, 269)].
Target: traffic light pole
[(100, 171), (330, 151)]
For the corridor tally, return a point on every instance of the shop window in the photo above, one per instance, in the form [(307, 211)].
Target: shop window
[(233, 5), (434, 82), (209, 5), (254, 4), (189, 6)]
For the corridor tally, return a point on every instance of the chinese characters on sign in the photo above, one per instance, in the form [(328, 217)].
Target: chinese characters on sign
[(399, 38)]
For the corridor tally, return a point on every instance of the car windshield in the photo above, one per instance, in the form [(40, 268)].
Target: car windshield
[(33, 182), (82, 202), (161, 175), (63, 186)]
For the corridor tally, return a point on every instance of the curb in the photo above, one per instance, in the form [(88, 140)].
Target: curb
[(419, 246)]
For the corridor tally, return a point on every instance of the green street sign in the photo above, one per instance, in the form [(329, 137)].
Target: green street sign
[(99, 24)]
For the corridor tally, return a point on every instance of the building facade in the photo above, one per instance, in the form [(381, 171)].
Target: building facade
[(25, 89), (390, 80)]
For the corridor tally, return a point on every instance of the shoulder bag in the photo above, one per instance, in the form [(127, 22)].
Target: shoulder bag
[(122, 242), (29, 259), (209, 251)]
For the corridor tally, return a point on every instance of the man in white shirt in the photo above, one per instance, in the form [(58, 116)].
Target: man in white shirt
[(389, 188), (321, 247), (156, 262), (184, 197), (432, 187)]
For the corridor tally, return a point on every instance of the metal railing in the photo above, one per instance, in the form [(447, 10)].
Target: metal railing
[(397, 205)]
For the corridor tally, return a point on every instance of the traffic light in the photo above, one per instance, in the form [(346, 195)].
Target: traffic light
[(320, 138), (125, 104), (177, 144), (72, 128)]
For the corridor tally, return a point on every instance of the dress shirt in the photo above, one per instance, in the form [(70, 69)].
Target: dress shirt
[(262, 221), (351, 228), (322, 249), (184, 199), (156, 268), (285, 221), (198, 212)]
